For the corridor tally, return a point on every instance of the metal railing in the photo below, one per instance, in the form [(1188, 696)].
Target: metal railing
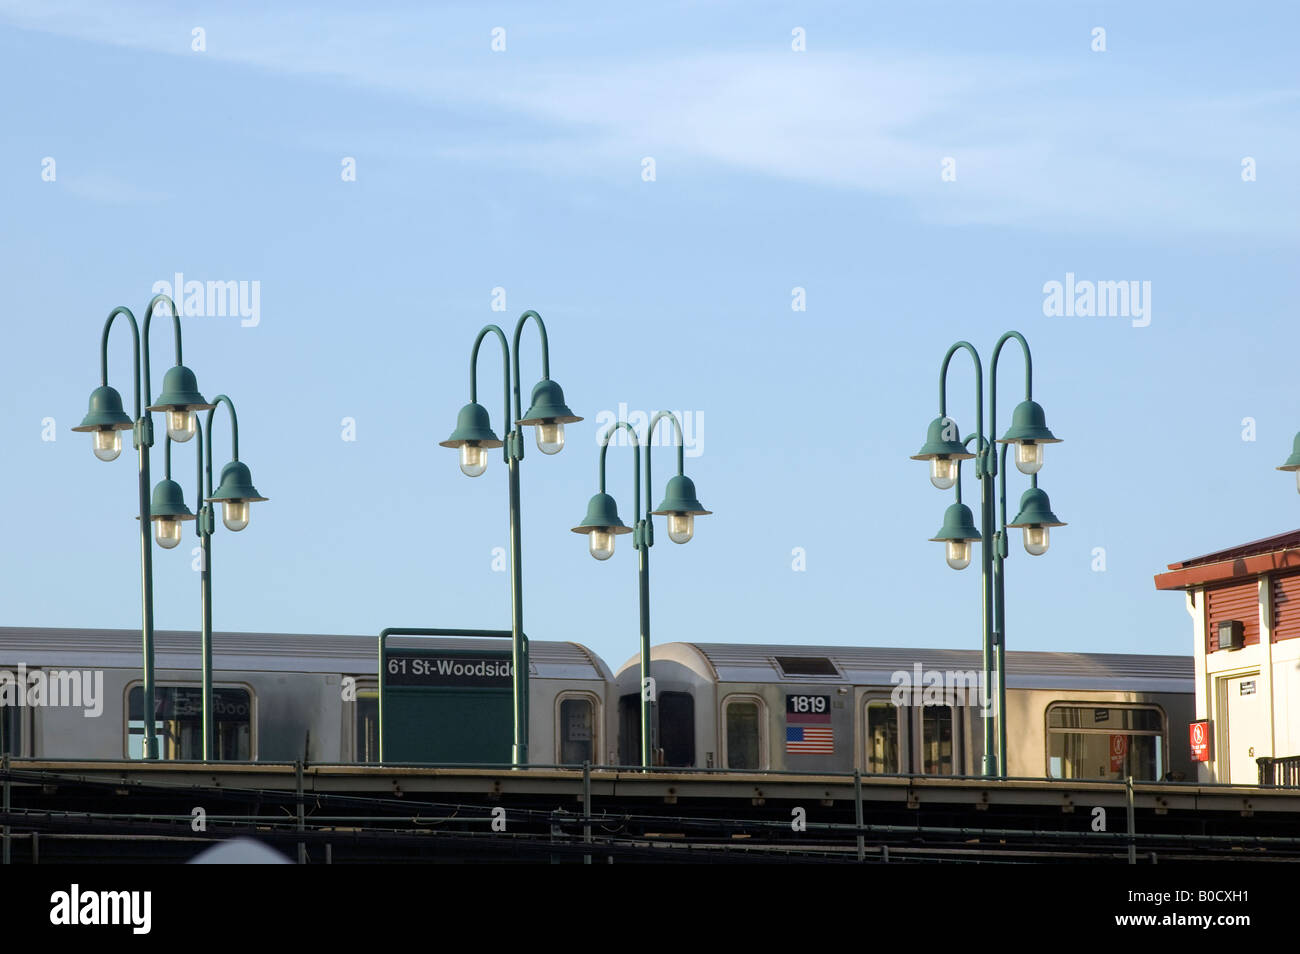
[(1283, 772)]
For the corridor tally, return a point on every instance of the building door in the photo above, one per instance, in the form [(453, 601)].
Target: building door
[(1247, 734)]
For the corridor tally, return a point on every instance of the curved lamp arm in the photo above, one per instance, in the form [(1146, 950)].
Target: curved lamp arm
[(135, 352), (993, 383), (979, 395), (505, 384), (176, 333), (649, 442), (636, 464), (234, 438), (546, 357)]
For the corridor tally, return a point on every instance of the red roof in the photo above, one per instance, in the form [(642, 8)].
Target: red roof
[(1247, 559)]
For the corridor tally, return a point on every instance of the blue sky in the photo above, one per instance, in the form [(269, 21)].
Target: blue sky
[(774, 169)]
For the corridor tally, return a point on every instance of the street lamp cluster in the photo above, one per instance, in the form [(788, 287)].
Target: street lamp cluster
[(474, 437), (180, 401), (945, 449), (547, 413), (602, 526)]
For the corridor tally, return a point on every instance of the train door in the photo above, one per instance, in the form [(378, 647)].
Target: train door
[(744, 719), (936, 738), (885, 728), (677, 729), (1247, 728), (906, 740), (361, 720), (11, 734), (629, 729), (672, 729), (11, 714)]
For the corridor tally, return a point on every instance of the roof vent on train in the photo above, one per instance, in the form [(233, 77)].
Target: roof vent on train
[(806, 666)]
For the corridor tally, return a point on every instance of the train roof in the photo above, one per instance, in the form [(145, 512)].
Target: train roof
[(869, 665), (259, 652)]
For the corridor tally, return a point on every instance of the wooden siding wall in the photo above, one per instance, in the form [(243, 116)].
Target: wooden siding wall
[(1235, 601), (1286, 607)]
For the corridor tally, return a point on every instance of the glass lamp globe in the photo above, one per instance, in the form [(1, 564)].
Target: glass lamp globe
[(957, 552), (167, 532), (943, 473), (550, 437), (234, 514), (181, 425), (601, 544), (108, 444), (473, 459), (1029, 457), (681, 527), (1037, 540)]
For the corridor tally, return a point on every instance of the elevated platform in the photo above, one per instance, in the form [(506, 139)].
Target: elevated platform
[(121, 810)]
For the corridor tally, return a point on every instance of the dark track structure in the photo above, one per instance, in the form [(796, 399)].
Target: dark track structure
[(102, 811)]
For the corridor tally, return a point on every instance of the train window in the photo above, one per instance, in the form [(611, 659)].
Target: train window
[(576, 737), (745, 724), (178, 722), (937, 740), (677, 728), (884, 755), (1105, 742)]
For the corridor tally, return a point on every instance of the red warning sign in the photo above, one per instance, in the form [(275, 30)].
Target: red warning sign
[(1118, 752), (1200, 738)]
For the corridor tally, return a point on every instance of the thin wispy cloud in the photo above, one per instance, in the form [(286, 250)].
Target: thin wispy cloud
[(1033, 143)]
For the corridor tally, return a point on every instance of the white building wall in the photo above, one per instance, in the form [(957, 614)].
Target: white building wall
[(1278, 668), (1286, 698)]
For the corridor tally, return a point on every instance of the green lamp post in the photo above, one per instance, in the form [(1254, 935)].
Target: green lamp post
[(602, 526), (945, 450), (235, 493), (474, 437), (105, 420)]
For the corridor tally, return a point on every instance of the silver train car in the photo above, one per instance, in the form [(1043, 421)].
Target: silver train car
[(909, 711), (284, 697), (276, 697)]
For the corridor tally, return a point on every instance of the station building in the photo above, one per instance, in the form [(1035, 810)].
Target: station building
[(1245, 609)]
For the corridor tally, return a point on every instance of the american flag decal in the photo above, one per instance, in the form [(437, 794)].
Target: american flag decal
[(809, 732)]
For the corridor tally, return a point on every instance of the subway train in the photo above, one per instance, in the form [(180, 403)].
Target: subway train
[(76, 694)]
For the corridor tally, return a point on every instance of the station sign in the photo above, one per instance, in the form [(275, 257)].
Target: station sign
[(446, 706), (424, 668)]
